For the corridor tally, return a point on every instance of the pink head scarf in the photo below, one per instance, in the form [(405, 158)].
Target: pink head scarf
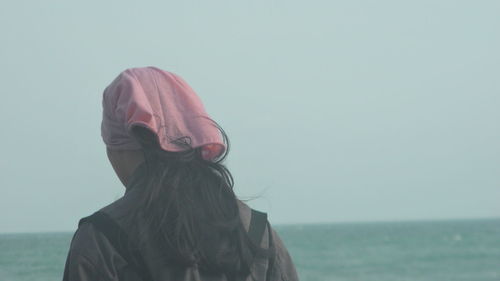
[(162, 102)]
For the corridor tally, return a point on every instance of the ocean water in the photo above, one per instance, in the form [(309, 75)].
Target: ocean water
[(467, 250)]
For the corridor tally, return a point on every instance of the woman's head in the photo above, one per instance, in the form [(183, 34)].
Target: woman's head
[(187, 198)]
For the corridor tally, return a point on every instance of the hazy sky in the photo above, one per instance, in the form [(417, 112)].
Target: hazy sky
[(336, 110)]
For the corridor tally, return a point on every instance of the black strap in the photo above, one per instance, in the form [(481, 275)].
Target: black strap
[(119, 239), (258, 223), (270, 265)]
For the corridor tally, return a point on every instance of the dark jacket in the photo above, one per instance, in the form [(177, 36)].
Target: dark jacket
[(92, 257)]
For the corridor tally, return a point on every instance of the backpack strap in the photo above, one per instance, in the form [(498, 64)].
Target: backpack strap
[(271, 261), (258, 222), (119, 239)]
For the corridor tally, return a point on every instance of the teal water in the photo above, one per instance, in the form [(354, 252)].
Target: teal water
[(467, 250)]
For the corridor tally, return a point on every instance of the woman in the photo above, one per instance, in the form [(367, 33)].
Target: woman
[(179, 218)]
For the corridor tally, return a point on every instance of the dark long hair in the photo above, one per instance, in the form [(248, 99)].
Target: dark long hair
[(191, 209)]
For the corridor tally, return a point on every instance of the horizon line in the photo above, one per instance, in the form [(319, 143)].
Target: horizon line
[(305, 224)]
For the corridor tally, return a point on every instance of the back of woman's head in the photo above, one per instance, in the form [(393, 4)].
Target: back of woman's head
[(191, 209), (187, 197)]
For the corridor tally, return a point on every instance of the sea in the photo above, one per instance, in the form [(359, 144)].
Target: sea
[(454, 250)]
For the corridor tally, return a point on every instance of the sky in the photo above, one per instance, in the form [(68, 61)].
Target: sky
[(336, 111)]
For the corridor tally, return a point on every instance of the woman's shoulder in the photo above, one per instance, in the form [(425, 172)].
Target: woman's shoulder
[(90, 256), (91, 243), (91, 240), (92, 236), (283, 265), (246, 213)]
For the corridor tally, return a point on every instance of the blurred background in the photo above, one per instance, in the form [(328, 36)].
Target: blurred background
[(340, 114)]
